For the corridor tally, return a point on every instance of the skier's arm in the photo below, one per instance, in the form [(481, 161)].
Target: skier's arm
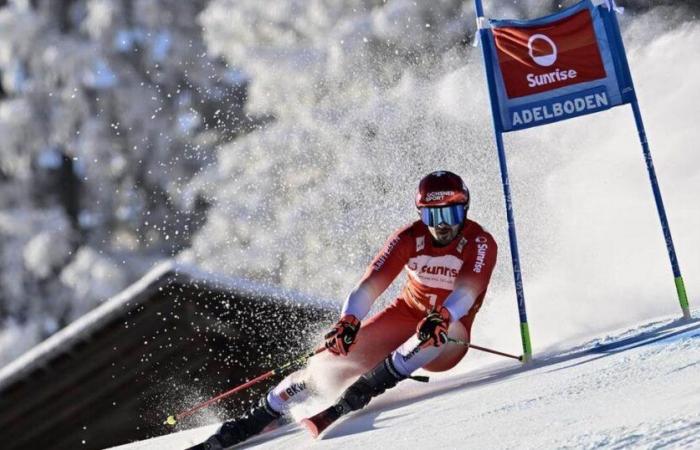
[(473, 278), (382, 271), (459, 302), (358, 302)]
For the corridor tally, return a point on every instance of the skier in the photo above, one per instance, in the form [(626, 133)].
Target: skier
[(449, 260)]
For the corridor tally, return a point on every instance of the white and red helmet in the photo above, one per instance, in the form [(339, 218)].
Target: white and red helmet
[(442, 197), (441, 188)]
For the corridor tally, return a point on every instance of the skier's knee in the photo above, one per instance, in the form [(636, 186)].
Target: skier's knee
[(445, 361), (294, 388), (450, 355)]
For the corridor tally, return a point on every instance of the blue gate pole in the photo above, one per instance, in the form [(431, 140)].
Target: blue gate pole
[(515, 255), (498, 134), (678, 279), (680, 286)]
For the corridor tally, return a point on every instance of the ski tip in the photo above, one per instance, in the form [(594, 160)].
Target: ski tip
[(311, 426)]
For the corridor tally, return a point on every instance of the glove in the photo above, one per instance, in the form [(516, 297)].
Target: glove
[(432, 330), (342, 336)]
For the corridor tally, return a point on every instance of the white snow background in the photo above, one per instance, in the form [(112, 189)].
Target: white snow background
[(592, 251)]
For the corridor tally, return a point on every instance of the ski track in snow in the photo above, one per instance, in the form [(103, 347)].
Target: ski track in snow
[(634, 389)]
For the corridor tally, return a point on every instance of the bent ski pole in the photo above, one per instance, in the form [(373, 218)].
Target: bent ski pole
[(172, 420), (483, 349)]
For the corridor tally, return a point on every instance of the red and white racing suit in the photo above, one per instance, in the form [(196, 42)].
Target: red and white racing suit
[(454, 276)]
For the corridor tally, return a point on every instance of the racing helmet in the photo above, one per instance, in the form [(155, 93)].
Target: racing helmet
[(442, 197)]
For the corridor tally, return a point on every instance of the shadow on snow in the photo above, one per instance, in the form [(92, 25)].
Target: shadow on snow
[(592, 351), (369, 419)]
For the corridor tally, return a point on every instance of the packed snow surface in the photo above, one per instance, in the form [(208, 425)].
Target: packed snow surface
[(628, 389)]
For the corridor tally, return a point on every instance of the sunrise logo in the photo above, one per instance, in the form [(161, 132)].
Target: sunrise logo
[(554, 76), (542, 60)]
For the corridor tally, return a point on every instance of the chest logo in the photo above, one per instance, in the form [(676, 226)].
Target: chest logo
[(420, 243), (462, 243)]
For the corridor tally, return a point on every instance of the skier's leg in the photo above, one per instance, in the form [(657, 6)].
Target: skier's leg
[(452, 354), (269, 408), (377, 337), (400, 364), (372, 383), (238, 430), (411, 356), (292, 389)]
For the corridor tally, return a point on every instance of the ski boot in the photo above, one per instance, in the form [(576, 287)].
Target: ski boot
[(373, 383), (238, 430)]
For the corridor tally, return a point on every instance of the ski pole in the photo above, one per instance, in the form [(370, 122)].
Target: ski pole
[(172, 420), (483, 349)]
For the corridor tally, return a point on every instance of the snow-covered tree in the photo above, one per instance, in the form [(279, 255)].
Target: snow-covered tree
[(108, 109)]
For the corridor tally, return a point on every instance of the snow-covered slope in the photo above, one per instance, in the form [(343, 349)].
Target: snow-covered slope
[(628, 389)]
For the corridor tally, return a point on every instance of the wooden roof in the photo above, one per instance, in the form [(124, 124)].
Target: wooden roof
[(175, 338)]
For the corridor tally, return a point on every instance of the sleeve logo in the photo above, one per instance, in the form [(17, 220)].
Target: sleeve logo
[(379, 263), (480, 253)]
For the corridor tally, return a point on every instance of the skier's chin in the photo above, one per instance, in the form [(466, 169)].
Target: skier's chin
[(443, 236), (443, 240)]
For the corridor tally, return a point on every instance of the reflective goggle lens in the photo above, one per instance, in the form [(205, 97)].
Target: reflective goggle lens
[(451, 215)]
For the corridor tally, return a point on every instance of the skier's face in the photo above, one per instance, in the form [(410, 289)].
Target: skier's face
[(443, 234)]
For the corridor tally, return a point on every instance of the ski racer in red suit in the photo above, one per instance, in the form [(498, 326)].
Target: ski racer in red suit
[(448, 259)]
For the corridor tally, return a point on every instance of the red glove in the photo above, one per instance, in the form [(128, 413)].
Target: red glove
[(433, 329), (342, 336)]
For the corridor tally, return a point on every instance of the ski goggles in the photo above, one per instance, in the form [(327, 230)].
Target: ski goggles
[(451, 215)]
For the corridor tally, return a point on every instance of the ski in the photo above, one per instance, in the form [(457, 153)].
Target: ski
[(318, 423), (202, 446), (206, 445)]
